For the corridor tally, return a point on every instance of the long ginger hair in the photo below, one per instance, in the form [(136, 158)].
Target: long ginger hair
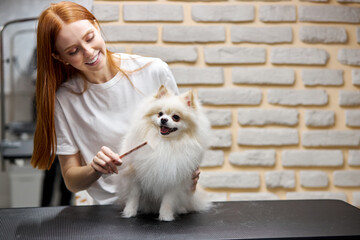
[(51, 73)]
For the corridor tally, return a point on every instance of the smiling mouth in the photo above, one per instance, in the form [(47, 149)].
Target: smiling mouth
[(94, 60), (166, 131)]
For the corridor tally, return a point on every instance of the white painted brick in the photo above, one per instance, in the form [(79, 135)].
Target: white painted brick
[(341, 14), (219, 117), (168, 54), (130, 33), (349, 98), (280, 179), (349, 56), (271, 76), (223, 13), (106, 12), (312, 158), (253, 158), (184, 89), (325, 77), (277, 13), (221, 138), (153, 12), (213, 158), (197, 75), (347, 178), (293, 97), (314, 179), (262, 117), (193, 34), (234, 55), (352, 118), (316, 195), (319, 118), (319, 1), (356, 199), (355, 73), (241, 180), (331, 138), (230, 96), (253, 196), (354, 157), (216, 197), (302, 56), (317, 34), (348, 1), (269, 35), (267, 137), (115, 48)]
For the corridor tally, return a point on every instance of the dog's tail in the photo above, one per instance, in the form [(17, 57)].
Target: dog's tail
[(200, 201)]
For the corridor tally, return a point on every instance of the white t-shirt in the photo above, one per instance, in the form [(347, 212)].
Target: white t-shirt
[(101, 115)]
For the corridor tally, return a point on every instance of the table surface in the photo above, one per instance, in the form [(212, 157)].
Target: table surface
[(283, 219)]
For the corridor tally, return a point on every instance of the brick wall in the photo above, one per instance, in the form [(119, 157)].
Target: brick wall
[(280, 82)]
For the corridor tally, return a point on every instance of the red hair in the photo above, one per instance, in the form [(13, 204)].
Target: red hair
[(51, 73)]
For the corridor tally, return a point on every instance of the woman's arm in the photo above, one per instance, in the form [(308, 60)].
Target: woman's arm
[(195, 179), (78, 177)]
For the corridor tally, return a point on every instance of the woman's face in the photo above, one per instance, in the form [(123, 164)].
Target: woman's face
[(80, 44)]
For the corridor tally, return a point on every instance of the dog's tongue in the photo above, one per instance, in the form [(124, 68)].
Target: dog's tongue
[(165, 130)]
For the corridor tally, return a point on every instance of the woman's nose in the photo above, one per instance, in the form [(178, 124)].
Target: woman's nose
[(88, 51)]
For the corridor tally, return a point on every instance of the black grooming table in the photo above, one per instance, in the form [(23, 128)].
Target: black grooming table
[(290, 219)]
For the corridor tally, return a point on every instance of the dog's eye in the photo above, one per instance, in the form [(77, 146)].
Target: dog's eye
[(176, 118), (160, 114)]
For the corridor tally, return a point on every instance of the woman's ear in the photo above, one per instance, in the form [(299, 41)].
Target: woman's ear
[(57, 57)]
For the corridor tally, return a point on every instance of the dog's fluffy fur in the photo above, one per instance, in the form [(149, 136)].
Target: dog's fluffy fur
[(158, 178)]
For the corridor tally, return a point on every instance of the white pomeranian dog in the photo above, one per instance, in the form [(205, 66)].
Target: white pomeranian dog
[(158, 177)]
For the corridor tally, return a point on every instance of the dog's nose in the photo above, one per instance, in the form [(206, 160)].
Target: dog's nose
[(164, 120)]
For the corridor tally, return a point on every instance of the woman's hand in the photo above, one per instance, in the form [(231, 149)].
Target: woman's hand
[(195, 179), (106, 161)]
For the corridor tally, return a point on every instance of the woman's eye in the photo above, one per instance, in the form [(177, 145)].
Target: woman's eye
[(90, 38), (160, 114), (73, 52), (176, 118)]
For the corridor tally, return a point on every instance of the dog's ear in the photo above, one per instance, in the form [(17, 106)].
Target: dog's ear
[(162, 92), (188, 97)]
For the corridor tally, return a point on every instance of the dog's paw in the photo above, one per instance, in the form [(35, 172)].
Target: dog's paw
[(129, 212), (166, 214), (166, 217)]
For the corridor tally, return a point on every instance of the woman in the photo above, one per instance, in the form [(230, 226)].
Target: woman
[(85, 98)]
